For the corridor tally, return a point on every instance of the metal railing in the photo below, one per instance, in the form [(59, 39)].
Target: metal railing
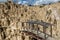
[(38, 33)]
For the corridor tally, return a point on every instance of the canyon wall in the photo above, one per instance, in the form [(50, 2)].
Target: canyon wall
[(11, 15)]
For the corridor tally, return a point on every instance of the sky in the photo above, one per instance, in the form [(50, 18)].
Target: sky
[(3, 0), (36, 2), (33, 2)]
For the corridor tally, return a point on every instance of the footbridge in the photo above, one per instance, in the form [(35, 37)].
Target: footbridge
[(36, 33)]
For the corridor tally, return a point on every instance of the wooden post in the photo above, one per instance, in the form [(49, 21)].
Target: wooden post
[(44, 31), (51, 31), (29, 25), (37, 29)]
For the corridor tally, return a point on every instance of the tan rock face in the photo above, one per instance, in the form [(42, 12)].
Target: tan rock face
[(11, 15)]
